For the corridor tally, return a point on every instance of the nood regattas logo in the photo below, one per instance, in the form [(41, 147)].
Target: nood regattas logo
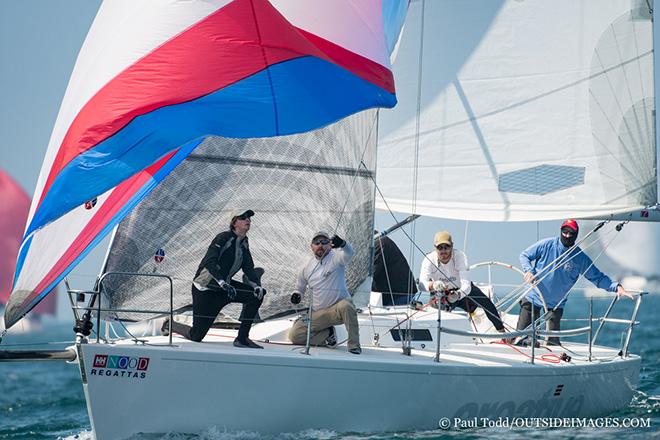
[(120, 366)]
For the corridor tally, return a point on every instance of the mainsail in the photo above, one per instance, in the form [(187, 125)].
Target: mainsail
[(521, 111), (155, 78)]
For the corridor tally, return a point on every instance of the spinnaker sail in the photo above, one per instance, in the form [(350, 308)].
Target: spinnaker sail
[(155, 78)]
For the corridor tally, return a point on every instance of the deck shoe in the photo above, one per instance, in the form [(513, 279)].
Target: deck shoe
[(356, 350), (165, 328), (331, 340), (246, 343)]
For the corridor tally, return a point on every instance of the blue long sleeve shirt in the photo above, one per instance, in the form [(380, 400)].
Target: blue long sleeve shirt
[(556, 282)]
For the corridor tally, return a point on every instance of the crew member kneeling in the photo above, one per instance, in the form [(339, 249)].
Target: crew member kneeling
[(325, 275)]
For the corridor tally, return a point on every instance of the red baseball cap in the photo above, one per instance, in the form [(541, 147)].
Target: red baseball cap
[(570, 223)]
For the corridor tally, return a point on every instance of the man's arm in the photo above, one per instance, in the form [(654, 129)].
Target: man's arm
[(344, 254), (602, 281), (425, 279), (526, 257)]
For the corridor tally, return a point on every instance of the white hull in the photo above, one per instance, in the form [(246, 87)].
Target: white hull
[(191, 387)]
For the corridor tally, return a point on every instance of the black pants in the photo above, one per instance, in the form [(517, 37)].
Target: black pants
[(476, 298), (525, 318), (208, 303)]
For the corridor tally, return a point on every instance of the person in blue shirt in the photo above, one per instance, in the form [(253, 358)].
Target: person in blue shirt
[(554, 282)]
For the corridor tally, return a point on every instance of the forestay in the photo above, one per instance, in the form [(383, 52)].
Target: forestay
[(528, 110)]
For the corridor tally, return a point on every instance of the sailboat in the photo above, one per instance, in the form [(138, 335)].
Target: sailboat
[(294, 135)]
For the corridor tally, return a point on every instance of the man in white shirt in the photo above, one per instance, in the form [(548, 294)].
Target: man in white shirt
[(325, 275), (445, 271)]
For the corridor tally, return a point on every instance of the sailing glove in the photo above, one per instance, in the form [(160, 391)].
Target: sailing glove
[(259, 292), (452, 296), (231, 291), (338, 242), (295, 298)]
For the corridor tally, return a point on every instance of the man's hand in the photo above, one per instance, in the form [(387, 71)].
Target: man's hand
[(295, 298), (452, 296), (621, 291), (530, 278), (337, 242), (259, 292), (231, 291), (439, 286)]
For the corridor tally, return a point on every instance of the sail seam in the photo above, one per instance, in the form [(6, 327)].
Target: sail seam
[(282, 165)]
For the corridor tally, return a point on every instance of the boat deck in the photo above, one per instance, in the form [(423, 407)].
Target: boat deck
[(468, 353)]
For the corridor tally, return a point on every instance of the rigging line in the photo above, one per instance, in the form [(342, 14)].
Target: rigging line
[(341, 215), (389, 286), (357, 169), (465, 237), (593, 262), (420, 72), (552, 266), (422, 252), (411, 239)]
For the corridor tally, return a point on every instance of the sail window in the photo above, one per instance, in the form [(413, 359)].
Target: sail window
[(541, 180)]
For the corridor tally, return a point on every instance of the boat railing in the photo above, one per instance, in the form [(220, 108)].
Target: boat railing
[(534, 332), (96, 298)]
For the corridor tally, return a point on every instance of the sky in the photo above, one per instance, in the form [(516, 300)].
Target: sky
[(39, 42)]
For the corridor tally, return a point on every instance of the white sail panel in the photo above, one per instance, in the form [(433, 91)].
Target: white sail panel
[(145, 25), (528, 111)]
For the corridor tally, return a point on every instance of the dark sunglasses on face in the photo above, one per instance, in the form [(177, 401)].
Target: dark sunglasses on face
[(242, 217), (568, 233), (443, 247), (322, 241)]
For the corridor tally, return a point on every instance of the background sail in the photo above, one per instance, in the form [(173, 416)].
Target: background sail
[(528, 111), (13, 213), (296, 185), (154, 78)]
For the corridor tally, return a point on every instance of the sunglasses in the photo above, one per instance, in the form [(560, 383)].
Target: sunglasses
[(322, 241), (443, 247), (242, 217), (568, 233)]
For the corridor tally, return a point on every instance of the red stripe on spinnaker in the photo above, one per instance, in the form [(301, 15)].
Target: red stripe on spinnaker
[(113, 204), (222, 49)]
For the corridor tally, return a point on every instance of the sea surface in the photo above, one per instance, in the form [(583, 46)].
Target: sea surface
[(44, 400)]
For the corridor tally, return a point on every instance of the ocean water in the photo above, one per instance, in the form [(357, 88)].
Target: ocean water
[(44, 400)]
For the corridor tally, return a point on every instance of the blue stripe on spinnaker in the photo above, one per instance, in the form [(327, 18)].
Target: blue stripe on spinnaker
[(13, 314), (22, 253), (307, 92)]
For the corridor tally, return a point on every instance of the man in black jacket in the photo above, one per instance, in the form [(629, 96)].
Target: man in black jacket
[(213, 286)]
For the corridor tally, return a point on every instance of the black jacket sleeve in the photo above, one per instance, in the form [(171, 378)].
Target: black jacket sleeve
[(248, 266)]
